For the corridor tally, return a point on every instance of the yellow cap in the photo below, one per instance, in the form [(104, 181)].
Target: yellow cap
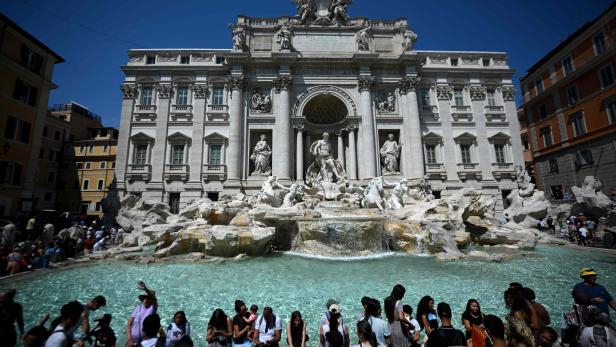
[(587, 272)]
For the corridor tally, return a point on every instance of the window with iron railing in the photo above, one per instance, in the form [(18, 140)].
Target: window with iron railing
[(499, 152), (215, 155), (140, 156), (491, 97), (146, 96), (182, 97), (465, 152), (218, 96), (177, 154), (431, 154), (458, 97)]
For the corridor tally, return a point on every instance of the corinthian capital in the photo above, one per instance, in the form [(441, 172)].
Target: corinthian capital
[(365, 83), (477, 92), (128, 91), (444, 92), (508, 93), (282, 82), (236, 83), (165, 91), (409, 84), (201, 91)]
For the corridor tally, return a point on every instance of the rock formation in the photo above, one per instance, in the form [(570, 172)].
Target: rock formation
[(526, 205), (590, 200)]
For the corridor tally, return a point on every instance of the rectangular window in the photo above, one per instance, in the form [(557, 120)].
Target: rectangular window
[(150, 59), (557, 192), (465, 151), (606, 76), (585, 157), (567, 66), (553, 166), (103, 165), (91, 148), (215, 154), (454, 61), (458, 97), (220, 60), (177, 154), (141, 154), (146, 96), (25, 92), (431, 154), (105, 147), (97, 206), (11, 127), (100, 184), (185, 59), (218, 96), (50, 155), (572, 95), (611, 112), (85, 185), (577, 122), (24, 132), (425, 97), (182, 98), (546, 133), (486, 62), (103, 133), (113, 164), (499, 151), (51, 177), (79, 165), (82, 148), (56, 135), (88, 165), (543, 111), (491, 97), (31, 60), (45, 131), (539, 86), (10, 173), (17, 129), (598, 42)]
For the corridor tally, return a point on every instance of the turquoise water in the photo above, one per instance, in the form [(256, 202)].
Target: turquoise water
[(288, 283)]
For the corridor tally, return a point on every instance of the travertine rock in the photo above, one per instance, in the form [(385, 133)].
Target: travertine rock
[(590, 200)]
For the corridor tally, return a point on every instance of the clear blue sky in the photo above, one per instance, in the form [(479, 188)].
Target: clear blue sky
[(525, 29)]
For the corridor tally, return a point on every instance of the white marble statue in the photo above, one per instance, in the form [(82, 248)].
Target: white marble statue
[(374, 194), (306, 10), (390, 152), (387, 104), (283, 37), (267, 194), (239, 37), (362, 38), (328, 166), (291, 197), (395, 199), (260, 101), (261, 155), (408, 41), (338, 10), (525, 187)]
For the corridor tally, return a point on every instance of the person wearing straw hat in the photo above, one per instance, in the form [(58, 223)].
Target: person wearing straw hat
[(598, 295)]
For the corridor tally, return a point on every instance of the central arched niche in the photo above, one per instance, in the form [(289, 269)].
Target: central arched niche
[(325, 109)]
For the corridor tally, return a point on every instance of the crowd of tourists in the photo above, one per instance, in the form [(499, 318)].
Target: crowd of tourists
[(392, 324), (579, 229), (38, 245)]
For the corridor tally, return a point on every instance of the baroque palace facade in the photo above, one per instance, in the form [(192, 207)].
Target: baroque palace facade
[(204, 122)]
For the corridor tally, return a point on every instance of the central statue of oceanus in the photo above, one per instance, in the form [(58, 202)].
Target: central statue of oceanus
[(325, 173)]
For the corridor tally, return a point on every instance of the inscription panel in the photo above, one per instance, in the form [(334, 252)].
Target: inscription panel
[(324, 42), (383, 44), (262, 43)]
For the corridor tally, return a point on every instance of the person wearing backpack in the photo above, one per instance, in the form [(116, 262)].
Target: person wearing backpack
[(269, 329), (69, 317), (601, 333)]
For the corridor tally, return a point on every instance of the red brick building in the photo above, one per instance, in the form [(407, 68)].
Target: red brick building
[(569, 106)]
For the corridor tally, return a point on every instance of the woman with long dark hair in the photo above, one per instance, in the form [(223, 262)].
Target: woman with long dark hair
[(296, 330), (333, 332), (395, 316), (426, 315), (365, 335), (240, 327), (219, 329), (178, 329), (518, 321), (472, 318), (268, 329)]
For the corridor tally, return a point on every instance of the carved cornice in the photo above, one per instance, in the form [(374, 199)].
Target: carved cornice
[(201, 91), (477, 92), (282, 82), (508, 93), (236, 83), (165, 91), (409, 84), (444, 92), (365, 83), (128, 91)]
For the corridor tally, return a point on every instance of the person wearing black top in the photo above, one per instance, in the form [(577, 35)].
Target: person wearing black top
[(446, 335), (240, 327), (472, 316)]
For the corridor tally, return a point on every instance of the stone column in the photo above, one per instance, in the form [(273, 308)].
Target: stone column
[(368, 153), (514, 125), (484, 156), (299, 154), (281, 142), (129, 92), (195, 161), (341, 149), (159, 160), (450, 160), (235, 85), (352, 170), (412, 128)]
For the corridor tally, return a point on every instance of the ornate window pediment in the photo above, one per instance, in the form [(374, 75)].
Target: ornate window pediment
[(432, 137), (215, 138), (141, 137), (178, 137), (466, 137), (500, 137)]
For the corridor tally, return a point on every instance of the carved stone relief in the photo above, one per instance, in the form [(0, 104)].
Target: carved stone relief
[(260, 102), (477, 92), (444, 92), (165, 91), (128, 91)]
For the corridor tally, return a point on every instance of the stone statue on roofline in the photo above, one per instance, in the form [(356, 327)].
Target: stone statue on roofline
[(306, 10)]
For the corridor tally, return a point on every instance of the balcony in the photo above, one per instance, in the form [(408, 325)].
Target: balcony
[(217, 112), (213, 172), (495, 114), (469, 169), (181, 109), (181, 118), (139, 172), (494, 109), (176, 172), (461, 113), (500, 170), (145, 109), (436, 170), (430, 110)]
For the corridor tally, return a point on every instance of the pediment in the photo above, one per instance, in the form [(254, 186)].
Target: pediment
[(178, 137), (500, 136), (142, 137), (215, 137), (466, 136)]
